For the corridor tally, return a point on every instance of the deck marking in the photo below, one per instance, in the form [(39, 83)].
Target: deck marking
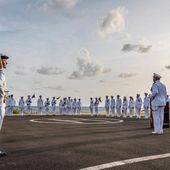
[(127, 161), (73, 121)]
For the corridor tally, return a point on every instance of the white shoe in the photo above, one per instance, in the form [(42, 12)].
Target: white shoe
[(154, 132)]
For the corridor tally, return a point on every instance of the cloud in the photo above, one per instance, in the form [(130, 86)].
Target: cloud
[(49, 71), (46, 5), (20, 73), (113, 22), (126, 75), (136, 47), (60, 88), (87, 68), (167, 67)]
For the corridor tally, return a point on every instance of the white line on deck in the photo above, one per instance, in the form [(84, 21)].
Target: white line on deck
[(127, 161)]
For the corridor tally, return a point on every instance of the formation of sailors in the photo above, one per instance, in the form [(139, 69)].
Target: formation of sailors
[(114, 107), (68, 106)]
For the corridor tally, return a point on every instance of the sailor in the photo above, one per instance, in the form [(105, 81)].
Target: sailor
[(118, 105), (21, 106), (64, 106), (53, 104), (61, 107), (158, 103), (146, 104), (28, 103), (3, 92), (40, 104), (47, 106), (69, 106), (91, 106), (107, 105), (138, 106), (96, 106), (131, 106), (11, 105), (125, 107), (74, 106), (78, 106), (113, 103)]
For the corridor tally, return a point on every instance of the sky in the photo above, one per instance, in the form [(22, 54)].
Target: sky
[(84, 48)]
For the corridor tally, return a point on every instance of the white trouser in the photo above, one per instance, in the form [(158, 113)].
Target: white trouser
[(96, 110), (118, 111), (2, 114), (54, 109), (47, 110), (69, 110), (131, 112), (138, 110), (21, 111), (146, 109), (107, 110), (91, 110), (158, 118), (125, 112), (74, 110), (78, 110), (11, 109), (28, 109), (40, 109), (112, 111)]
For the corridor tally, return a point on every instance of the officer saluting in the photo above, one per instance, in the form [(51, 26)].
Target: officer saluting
[(158, 102), (3, 91)]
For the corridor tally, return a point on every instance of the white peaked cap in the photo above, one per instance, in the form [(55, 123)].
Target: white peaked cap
[(157, 75)]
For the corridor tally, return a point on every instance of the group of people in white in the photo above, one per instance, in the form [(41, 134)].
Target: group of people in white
[(68, 106)]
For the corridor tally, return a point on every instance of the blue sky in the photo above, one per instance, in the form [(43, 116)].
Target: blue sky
[(84, 48)]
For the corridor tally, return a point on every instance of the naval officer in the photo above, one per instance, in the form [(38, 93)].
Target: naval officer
[(3, 91), (158, 102)]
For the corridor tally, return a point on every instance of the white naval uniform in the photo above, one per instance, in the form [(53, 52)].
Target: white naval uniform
[(91, 107), (124, 108), (7, 107), (78, 107), (2, 97), (146, 104), (118, 107), (28, 103), (40, 105), (21, 106), (158, 102), (53, 104), (112, 108), (11, 106), (107, 106), (96, 107), (131, 107), (138, 106), (74, 107), (69, 106), (60, 107), (47, 106)]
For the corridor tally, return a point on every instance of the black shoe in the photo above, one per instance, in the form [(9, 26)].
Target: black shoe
[(2, 154)]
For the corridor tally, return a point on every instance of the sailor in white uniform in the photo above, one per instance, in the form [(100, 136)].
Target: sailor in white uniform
[(3, 92), (8, 106), (158, 103), (118, 106), (21, 106), (96, 106), (11, 105), (69, 106), (112, 107), (131, 106), (91, 106), (61, 107), (74, 106), (47, 106), (107, 105), (78, 106), (28, 103), (146, 104), (53, 104), (125, 107), (138, 106), (40, 104)]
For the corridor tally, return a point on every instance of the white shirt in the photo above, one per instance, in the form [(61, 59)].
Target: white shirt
[(119, 103), (125, 104), (107, 103), (138, 102), (21, 103), (40, 102), (113, 103), (131, 104), (146, 102)]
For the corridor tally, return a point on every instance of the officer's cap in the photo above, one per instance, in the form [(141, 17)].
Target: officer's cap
[(157, 75), (4, 56)]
